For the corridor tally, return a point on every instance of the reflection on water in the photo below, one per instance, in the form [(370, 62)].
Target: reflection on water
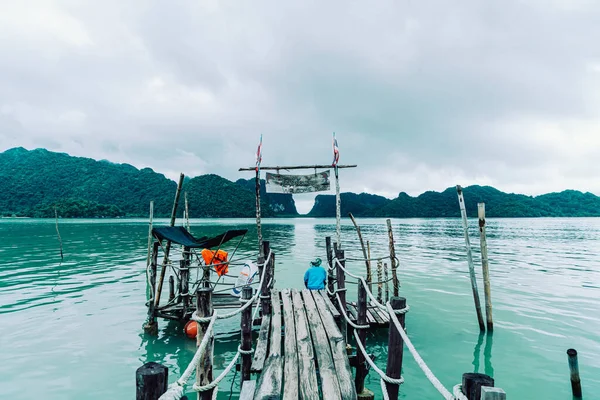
[(80, 321)]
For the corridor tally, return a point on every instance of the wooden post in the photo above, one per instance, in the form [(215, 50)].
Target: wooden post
[(361, 368), (379, 283), (395, 349), (171, 288), (341, 285), (204, 370), (151, 381), (492, 393), (184, 267), (338, 209), (187, 213), (330, 278), (168, 246), (150, 233), (364, 250), (393, 261), (463, 212), (472, 383), (265, 301), (485, 267), (151, 326), (258, 216), (387, 284), (246, 328), (574, 368)]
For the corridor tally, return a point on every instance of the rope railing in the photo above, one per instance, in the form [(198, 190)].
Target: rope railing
[(457, 390), (176, 389)]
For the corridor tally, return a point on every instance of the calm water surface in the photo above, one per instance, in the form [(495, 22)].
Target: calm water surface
[(73, 330)]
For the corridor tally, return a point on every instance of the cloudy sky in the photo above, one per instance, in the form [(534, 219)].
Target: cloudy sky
[(422, 94)]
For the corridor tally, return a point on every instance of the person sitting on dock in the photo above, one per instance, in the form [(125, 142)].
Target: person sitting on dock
[(316, 276)]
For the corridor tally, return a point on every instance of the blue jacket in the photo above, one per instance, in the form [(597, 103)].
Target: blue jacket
[(315, 278)]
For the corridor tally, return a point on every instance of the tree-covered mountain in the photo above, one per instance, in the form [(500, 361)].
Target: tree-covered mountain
[(569, 203), (279, 204), (34, 183)]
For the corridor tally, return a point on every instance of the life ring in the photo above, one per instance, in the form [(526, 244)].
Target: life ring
[(246, 277)]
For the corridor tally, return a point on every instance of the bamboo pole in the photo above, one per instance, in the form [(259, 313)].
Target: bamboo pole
[(187, 212), (168, 246), (150, 233), (485, 267), (364, 250), (261, 253), (463, 212), (393, 260), (338, 209), (379, 283)]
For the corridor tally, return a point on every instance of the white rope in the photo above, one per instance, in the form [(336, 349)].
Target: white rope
[(382, 375), (457, 391), (432, 378), (352, 324), (384, 391), (215, 383)]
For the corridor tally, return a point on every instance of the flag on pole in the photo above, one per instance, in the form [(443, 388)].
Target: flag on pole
[(259, 154), (336, 152)]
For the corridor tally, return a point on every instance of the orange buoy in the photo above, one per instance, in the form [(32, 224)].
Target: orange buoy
[(191, 329)]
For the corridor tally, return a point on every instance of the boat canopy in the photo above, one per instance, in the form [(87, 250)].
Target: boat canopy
[(180, 235)]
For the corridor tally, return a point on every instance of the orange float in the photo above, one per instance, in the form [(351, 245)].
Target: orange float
[(191, 329)]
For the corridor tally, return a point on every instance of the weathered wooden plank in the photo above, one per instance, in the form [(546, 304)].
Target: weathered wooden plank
[(352, 313), (247, 392), (334, 311), (271, 378), (329, 381), (308, 374), (376, 314), (338, 349), (260, 353), (290, 369), (370, 318)]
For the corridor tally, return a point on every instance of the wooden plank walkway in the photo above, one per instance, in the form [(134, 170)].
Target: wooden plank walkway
[(312, 342)]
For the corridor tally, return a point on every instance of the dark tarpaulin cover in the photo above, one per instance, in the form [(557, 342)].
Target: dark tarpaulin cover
[(180, 235)]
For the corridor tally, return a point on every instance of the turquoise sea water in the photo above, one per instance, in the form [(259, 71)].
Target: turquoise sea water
[(73, 330)]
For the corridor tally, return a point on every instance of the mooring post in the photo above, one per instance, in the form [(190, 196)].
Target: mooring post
[(330, 278), (393, 260), (265, 294), (492, 393), (395, 348), (246, 328), (171, 288), (574, 368), (151, 381), (150, 233), (485, 267), (472, 383), (151, 326), (341, 291), (463, 212), (361, 367), (204, 370)]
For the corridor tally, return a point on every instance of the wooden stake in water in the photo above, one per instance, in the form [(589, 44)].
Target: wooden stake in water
[(485, 267), (168, 246), (364, 250), (574, 368), (463, 212), (393, 260), (150, 233), (187, 213), (58, 233)]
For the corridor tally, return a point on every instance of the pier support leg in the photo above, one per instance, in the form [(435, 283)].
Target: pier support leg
[(246, 328), (395, 349), (330, 278), (361, 365), (151, 325), (265, 301), (151, 380), (204, 370), (341, 286)]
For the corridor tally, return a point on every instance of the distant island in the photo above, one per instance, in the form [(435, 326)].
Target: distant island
[(33, 183)]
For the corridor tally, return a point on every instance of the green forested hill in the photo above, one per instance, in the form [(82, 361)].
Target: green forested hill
[(569, 203), (33, 183)]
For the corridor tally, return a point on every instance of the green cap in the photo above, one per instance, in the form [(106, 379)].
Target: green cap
[(316, 262)]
